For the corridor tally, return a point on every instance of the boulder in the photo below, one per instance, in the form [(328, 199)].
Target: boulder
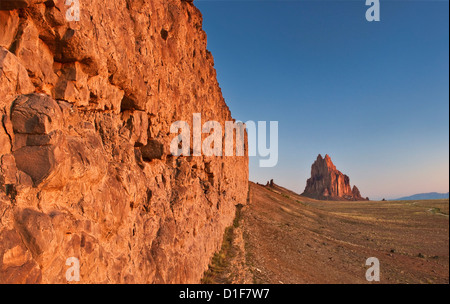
[(35, 114)]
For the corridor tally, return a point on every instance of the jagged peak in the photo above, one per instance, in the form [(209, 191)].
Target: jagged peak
[(327, 182), (328, 161)]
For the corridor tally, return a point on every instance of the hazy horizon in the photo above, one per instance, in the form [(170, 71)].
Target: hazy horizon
[(372, 95)]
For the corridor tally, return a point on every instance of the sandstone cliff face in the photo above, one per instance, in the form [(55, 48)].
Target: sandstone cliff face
[(85, 171), (327, 183)]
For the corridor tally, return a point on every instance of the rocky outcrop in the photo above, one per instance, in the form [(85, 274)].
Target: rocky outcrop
[(270, 183), (85, 169), (327, 183)]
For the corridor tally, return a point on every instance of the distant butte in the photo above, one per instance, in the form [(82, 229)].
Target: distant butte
[(328, 183)]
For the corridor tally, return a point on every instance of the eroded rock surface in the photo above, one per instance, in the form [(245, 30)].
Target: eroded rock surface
[(328, 183), (85, 169)]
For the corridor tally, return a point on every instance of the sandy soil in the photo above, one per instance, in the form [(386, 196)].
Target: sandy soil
[(286, 238)]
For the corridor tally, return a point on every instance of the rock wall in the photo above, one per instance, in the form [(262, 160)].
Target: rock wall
[(328, 183), (85, 168)]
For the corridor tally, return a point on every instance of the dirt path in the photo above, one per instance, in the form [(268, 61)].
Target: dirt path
[(286, 238)]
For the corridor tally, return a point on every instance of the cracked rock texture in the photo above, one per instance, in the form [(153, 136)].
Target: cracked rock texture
[(85, 169), (328, 183)]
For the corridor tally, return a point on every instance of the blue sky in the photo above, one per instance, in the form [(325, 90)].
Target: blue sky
[(372, 95)]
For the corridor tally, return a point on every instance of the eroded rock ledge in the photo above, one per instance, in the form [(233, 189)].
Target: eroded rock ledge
[(85, 171)]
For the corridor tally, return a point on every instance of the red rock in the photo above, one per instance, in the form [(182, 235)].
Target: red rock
[(328, 183), (84, 162), (5, 140), (35, 114), (9, 23), (8, 170), (14, 78), (153, 150), (137, 123), (15, 4)]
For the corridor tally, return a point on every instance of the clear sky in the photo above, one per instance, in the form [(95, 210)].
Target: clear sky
[(372, 95)]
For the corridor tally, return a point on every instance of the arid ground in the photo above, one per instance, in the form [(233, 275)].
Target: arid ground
[(282, 237)]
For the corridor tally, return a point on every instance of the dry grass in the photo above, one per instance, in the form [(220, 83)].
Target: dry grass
[(218, 271)]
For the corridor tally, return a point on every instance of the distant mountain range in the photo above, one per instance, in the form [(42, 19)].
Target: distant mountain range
[(424, 196)]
